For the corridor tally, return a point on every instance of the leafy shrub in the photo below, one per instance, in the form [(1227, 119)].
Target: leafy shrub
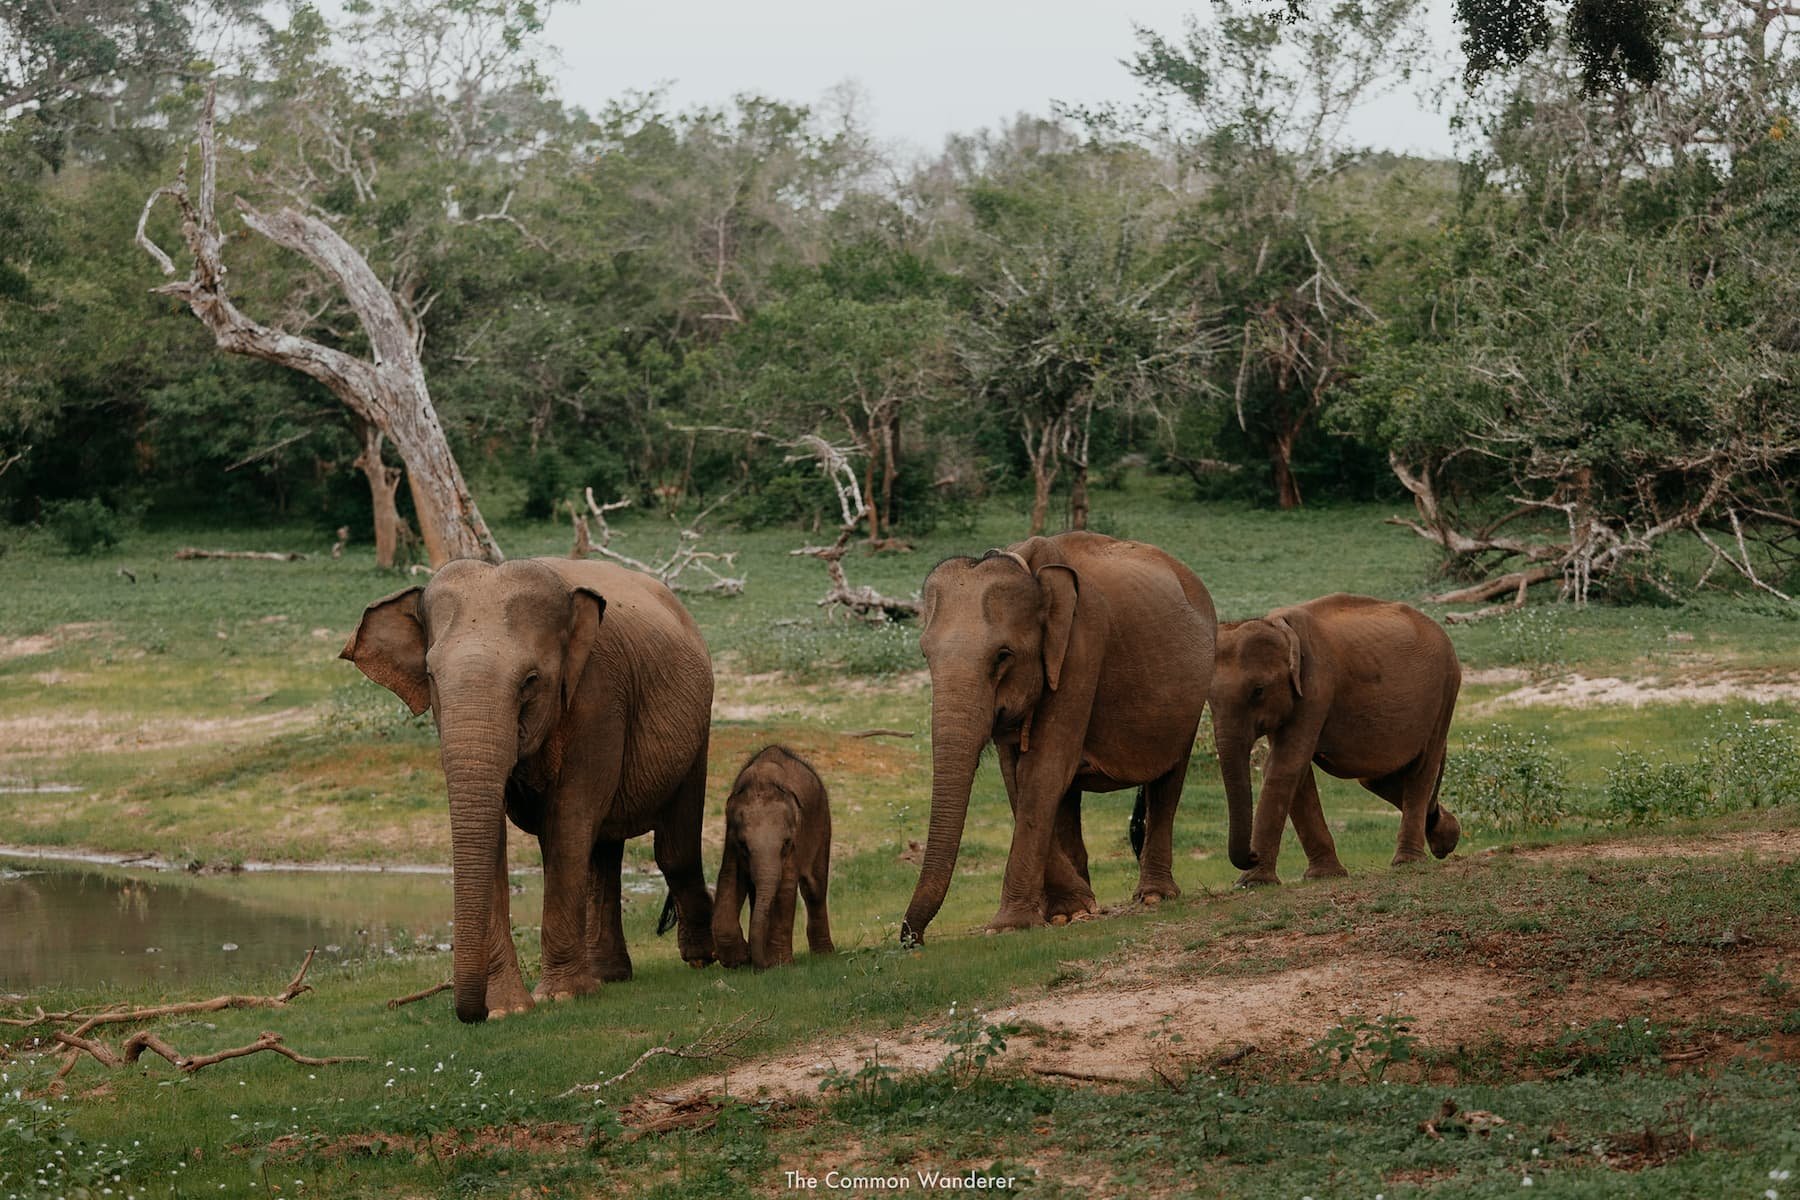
[(1367, 1047), (82, 526), (1506, 781), (40, 1156), (1743, 762), (1642, 791)]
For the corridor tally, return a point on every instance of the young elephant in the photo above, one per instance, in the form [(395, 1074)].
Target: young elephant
[(777, 837), (1086, 661), (574, 698), (1365, 689)]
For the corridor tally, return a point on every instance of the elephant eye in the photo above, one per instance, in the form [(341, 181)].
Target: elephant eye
[(1256, 693), (529, 680), (1004, 657)]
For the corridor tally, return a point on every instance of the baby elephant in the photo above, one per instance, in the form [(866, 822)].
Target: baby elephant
[(777, 837), (1362, 688)]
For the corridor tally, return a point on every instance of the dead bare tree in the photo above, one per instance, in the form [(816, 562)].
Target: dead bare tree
[(387, 390), (864, 603), (687, 554)]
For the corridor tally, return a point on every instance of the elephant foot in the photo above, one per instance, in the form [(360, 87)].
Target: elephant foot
[(1064, 907), (613, 972), (507, 994), (1407, 858), (1330, 869), (1442, 831), (1152, 894), (564, 987), (1258, 877), (1008, 919)]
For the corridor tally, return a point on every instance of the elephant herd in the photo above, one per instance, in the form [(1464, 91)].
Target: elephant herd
[(574, 699)]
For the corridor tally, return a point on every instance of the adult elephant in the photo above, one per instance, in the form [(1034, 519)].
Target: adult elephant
[(1362, 688), (1086, 661), (575, 698)]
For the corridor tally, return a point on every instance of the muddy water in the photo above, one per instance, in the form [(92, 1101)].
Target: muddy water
[(64, 924)]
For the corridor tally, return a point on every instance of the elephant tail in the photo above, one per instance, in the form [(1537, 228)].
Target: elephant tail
[(666, 922), (1137, 824)]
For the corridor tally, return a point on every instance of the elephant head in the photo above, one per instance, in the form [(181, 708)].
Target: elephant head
[(496, 654), (996, 638), (761, 819), (1257, 682)]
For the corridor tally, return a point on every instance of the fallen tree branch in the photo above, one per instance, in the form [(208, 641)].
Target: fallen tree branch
[(1516, 581), (140, 1042), (190, 552), (714, 1042), (869, 733), (428, 993), (1085, 1076)]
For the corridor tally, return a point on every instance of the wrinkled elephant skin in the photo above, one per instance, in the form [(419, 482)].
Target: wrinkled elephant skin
[(575, 698)]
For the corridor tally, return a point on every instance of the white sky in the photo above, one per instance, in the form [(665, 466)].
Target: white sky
[(927, 68)]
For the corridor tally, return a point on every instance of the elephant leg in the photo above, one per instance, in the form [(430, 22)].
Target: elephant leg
[(1068, 893), (728, 912), (1442, 829), (1410, 790), (1290, 763), (1156, 864), (1314, 834), (568, 844), (607, 954), (506, 984), (781, 933), (677, 841), (813, 885)]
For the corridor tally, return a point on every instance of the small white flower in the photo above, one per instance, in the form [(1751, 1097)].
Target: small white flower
[(1525, 1182)]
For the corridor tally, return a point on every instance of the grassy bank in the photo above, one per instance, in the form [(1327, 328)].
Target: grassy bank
[(200, 713)]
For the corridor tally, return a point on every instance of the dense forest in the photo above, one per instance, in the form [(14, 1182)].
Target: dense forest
[(1574, 347)]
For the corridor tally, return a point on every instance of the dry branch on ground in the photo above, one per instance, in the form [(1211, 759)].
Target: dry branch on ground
[(77, 1041), (687, 554), (715, 1042)]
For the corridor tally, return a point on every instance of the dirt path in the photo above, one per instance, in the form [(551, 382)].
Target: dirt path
[(1130, 1023)]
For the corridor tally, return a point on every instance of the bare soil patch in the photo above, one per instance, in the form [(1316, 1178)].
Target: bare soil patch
[(1125, 1031), (64, 733), (44, 643), (1781, 845), (1579, 691)]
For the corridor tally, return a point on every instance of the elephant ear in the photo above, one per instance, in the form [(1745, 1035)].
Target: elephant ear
[(589, 608), (1293, 649), (1060, 586), (389, 647)]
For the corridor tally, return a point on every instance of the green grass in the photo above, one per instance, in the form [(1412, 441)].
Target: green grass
[(261, 744)]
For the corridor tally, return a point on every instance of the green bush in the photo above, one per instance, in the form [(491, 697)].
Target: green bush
[(1507, 781), (82, 526), (1743, 762)]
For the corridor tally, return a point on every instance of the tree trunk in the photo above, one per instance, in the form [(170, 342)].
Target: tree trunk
[(384, 481), (1281, 469), (890, 467), (387, 389), (1078, 497), (1042, 453), (869, 485)]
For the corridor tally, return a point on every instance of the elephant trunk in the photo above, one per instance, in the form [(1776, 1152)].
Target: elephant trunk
[(765, 898), (956, 742), (478, 754), (1233, 742)]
